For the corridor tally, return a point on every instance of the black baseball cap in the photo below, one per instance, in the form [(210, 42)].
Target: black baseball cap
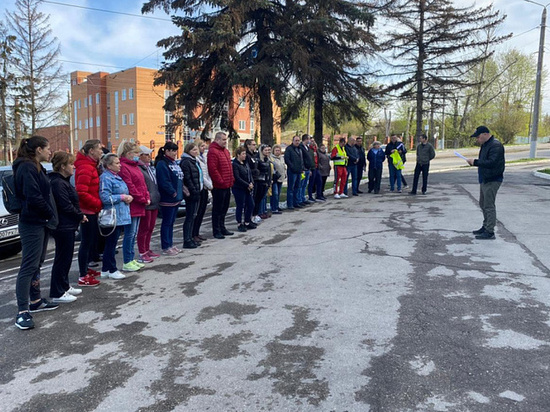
[(480, 130)]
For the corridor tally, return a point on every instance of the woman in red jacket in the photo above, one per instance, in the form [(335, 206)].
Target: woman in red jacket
[(132, 176), (87, 187)]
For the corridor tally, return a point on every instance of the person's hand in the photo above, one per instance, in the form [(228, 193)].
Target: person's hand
[(148, 202), (470, 161), (392, 151), (127, 199), (85, 219)]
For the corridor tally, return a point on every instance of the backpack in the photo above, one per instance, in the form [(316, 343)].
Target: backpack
[(12, 203)]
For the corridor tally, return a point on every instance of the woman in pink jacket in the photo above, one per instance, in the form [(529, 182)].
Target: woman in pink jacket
[(133, 177)]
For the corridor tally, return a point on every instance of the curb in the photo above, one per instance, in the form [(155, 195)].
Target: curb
[(541, 175)]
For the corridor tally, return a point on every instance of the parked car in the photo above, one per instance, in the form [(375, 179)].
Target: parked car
[(10, 243)]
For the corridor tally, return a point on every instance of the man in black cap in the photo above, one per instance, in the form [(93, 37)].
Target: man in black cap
[(490, 171)]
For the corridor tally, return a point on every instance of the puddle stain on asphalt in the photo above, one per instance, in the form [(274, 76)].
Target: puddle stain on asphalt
[(190, 288), (220, 347), (234, 309)]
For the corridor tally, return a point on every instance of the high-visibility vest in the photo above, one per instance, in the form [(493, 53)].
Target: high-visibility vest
[(343, 161)]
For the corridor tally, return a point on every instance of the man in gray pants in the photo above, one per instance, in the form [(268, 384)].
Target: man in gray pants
[(490, 169)]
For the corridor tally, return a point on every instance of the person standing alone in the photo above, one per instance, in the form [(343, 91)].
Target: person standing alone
[(425, 152), (490, 169)]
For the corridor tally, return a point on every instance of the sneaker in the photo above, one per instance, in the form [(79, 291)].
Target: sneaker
[(412, 193), (92, 272), (89, 280), (145, 258), (176, 249), (251, 225), (263, 216), (226, 232), (189, 245), (152, 254), (312, 200), (486, 236), (169, 252), (74, 291), (42, 305), (344, 196), (219, 236), (93, 264), (241, 228), (321, 199), (479, 231), (128, 267), (116, 275), (24, 321), (277, 212), (105, 275), (136, 263), (201, 238), (337, 196), (66, 298), (257, 219)]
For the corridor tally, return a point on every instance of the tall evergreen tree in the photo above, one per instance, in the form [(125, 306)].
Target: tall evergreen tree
[(8, 81), (330, 42), (236, 43), (36, 54), (435, 44)]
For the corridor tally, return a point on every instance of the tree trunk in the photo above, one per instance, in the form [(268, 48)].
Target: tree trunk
[(266, 115), (318, 113)]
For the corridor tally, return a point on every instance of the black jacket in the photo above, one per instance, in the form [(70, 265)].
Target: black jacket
[(402, 150), (252, 161), (33, 188), (362, 157), (491, 161), (242, 174), (353, 155), (66, 200), (191, 176), (294, 159), (264, 170), (308, 156)]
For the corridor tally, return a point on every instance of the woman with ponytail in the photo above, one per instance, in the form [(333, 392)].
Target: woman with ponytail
[(170, 183), (34, 190)]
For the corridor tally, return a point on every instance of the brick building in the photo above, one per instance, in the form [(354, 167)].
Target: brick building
[(125, 105), (58, 136)]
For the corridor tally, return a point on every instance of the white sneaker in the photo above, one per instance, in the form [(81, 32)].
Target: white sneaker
[(74, 291), (116, 275), (344, 196), (337, 196), (105, 275), (257, 219), (66, 298)]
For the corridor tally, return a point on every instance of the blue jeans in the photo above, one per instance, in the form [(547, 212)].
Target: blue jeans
[(352, 172), (129, 241), (292, 189), (167, 226), (395, 176), (303, 187), (109, 260), (315, 183), (275, 195), (244, 202)]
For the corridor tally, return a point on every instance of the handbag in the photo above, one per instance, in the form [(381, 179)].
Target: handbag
[(107, 219)]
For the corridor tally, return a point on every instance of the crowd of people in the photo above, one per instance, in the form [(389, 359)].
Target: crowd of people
[(129, 190)]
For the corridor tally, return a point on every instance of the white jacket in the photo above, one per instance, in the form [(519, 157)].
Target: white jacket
[(205, 176)]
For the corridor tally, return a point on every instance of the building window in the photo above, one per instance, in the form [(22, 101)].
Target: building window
[(242, 125), (131, 93), (123, 94), (242, 103), (85, 102), (124, 120), (80, 124), (97, 121), (251, 126), (85, 123), (90, 100), (131, 119), (97, 98), (91, 123), (79, 104), (75, 105)]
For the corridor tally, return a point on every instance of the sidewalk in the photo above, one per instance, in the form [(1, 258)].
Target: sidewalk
[(383, 303)]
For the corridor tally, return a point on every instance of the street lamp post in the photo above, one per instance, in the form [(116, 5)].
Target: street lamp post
[(538, 85)]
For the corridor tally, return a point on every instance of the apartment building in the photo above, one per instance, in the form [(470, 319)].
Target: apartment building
[(125, 105)]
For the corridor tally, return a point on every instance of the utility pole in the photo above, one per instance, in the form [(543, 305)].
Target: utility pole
[(538, 85)]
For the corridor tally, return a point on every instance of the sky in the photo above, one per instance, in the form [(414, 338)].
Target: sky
[(93, 40)]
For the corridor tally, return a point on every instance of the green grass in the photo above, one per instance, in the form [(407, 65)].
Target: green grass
[(527, 160), (547, 171)]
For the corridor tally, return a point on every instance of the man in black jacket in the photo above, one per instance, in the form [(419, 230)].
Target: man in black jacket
[(309, 165), (362, 163), (490, 172), (295, 165), (353, 159)]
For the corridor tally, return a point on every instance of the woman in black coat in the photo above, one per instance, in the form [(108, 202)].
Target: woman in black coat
[(262, 181), (69, 216), (193, 181), (242, 190)]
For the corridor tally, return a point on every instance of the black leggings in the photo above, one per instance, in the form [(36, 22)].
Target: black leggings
[(88, 243)]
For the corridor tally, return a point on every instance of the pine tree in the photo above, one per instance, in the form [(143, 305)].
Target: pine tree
[(36, 61), (435, 44)]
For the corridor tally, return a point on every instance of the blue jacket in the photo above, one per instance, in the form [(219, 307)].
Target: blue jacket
[(170, 182), (376, 159), (111, 188)]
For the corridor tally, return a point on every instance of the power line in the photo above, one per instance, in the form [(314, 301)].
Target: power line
[(105, 10)]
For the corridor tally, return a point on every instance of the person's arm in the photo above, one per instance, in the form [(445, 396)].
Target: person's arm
[(495, 152), (27, 179), (432, 152), (213, 170), (63, 201), (126, 175), (163, 179), (83, 182)]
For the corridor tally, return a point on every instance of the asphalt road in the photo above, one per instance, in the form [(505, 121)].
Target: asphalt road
[(373, 303)]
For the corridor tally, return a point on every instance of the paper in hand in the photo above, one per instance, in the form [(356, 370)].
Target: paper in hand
[(459, 155)]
